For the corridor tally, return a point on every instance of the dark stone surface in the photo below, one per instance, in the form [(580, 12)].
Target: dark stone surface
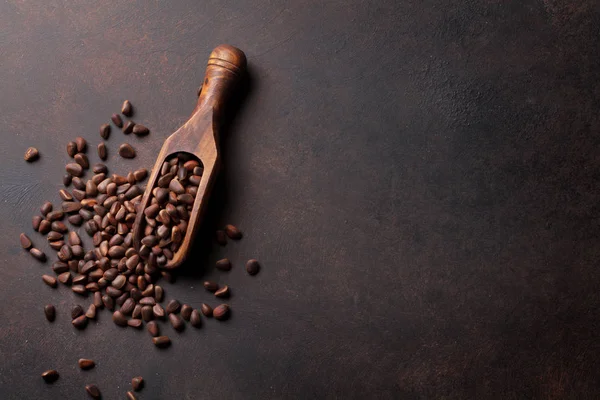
[(418, 179)]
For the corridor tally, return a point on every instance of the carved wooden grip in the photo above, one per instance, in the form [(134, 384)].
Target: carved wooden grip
[(226, 67)]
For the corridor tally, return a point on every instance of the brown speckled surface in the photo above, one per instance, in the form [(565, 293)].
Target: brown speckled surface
[(419, 180)]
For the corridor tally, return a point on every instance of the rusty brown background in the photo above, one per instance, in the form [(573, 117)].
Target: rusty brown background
[(418, 178)]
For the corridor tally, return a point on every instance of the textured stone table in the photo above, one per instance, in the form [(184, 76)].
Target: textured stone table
[(419, 180)]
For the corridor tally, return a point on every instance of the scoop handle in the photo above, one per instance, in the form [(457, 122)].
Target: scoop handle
[(226, 67)]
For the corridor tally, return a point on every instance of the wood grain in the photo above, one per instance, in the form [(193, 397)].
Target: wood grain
[(199, 136)]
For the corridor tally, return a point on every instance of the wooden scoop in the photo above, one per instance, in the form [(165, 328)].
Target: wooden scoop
[(198, 136)]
